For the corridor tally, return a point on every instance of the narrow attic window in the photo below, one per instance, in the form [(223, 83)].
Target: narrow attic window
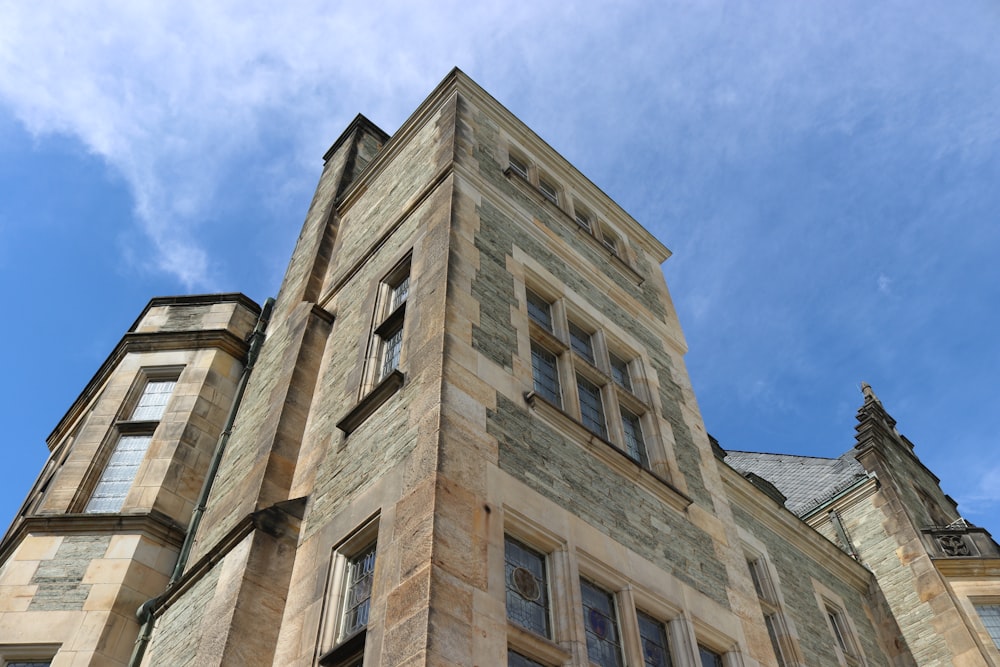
[(548, 191), (518, 166)]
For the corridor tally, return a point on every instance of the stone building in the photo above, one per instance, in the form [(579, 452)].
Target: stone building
[(464, 434)]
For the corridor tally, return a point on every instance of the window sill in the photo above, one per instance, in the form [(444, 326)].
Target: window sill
[(382, 392), (609, 454), (536, 646)]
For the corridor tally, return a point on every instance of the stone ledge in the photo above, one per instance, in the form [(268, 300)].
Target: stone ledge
[(382, 392)]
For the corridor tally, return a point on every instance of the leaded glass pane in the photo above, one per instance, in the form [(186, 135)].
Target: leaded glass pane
[(635, 446), (153, 400), (990, 615), (601, 624), (391, 346), (545, 374), (539, 309), (581, 342), (357, 592), (591, 407), (398, 293), (119, 473), (619, 373), (527, 589), (515, 659), (653, 637), (708, 657)]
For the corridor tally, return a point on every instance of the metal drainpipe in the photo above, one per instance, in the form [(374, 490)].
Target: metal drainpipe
[(147, 609)]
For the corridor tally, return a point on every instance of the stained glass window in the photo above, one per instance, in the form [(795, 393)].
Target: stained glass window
[(601, 624), (527, 589), (653, 636)]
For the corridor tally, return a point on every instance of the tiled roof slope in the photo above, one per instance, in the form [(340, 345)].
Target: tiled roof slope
[(806, 481)]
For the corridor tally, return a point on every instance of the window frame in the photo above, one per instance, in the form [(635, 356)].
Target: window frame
[(389, 322), (544, 589), (588, 392), (128, 429), (334, 646)]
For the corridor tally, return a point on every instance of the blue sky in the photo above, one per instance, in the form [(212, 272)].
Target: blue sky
[(826, 175)]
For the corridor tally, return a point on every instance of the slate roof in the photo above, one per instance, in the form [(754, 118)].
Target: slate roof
[(805, 481)]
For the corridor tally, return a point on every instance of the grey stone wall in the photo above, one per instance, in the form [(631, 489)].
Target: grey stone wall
[(796, 572), (557, 468), (178, 632), (60, 579)]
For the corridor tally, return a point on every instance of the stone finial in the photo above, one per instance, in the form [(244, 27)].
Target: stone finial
[(869, 393)]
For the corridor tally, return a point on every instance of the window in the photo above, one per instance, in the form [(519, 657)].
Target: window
[(28, 663), (581, 342), (134, 435), (635, 446), (539, 310), (348, 602), (518, 166), (653, 637), (527, 588), (769, 606), (545, 374), (548, 191), (591, 407), (708, 657), (515, 659), (619, 372), (357, 593), (990, 616), (609, 239), (842, 633), (582, 218), (391, 307), (600, 620), (605, 402)]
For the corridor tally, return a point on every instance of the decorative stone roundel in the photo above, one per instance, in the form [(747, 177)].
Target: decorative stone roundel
[(525, 584)]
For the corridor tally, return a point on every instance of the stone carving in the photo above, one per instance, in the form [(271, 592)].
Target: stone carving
[(954, 545)]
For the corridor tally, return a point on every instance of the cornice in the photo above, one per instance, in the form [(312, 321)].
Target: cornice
[(155, 341), (155, 525), (954, 568)]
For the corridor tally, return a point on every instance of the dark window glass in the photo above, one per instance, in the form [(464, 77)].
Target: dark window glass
[(539, 310), (591, 408), (708, 657), (582, 342), (545, 374), (515, 659), (990, 615), (619, 373), (635, 446)]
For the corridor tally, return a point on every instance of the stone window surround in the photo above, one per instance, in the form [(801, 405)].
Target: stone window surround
[(768, 592), (572, 365), (333, 648), (600, 233), (41, 654), (125, 425), (831, 605), (567, 562)]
